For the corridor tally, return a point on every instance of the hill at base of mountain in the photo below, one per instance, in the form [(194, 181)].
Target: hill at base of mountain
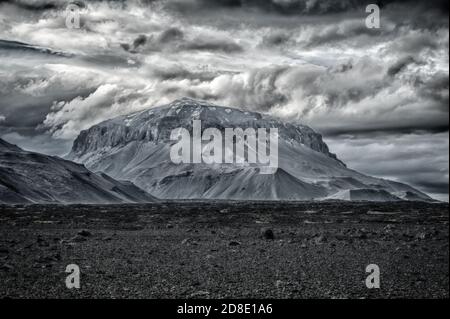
[(27, 177)]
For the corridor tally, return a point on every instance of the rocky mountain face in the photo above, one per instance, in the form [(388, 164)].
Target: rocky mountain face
[(137, 148), (27, 177)]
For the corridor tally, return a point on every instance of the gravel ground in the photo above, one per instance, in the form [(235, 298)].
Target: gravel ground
[(225, 250)]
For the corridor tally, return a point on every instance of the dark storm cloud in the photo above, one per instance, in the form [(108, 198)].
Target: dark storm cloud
[(48, 5), (400, 65), (441, 6), (171, 34), (295, 7), (211, 44), (290, 7), (275, 39), (33, 5), (381, 127), (173, 39), (140, 40), (416, 43), (429, 15), (107, 60), (178, 72), (431, 187), (335, 35), (436, 89)]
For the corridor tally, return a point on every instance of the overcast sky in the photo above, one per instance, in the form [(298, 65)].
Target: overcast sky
[(379, 96)]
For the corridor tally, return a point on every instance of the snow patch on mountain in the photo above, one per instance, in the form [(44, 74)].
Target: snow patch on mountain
[(364, 195)]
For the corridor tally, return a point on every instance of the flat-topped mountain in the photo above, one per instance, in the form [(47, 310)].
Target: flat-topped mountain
[(137, 148)]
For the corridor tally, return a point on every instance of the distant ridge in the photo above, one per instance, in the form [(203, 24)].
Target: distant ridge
[(27, 177)]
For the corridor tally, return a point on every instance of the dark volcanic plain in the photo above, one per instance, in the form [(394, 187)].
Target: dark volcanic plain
[(223, 250)]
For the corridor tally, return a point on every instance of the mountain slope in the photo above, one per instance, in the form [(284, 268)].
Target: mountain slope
[(365, 195), (27, 177), (137, 147)]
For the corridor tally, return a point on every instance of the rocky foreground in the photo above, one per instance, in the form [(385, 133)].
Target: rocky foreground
[(225, 250)]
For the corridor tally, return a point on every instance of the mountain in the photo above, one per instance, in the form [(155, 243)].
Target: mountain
[(137, 148), (27, 177)]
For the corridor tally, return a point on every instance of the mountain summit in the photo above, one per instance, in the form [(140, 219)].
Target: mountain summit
[(137, 148)]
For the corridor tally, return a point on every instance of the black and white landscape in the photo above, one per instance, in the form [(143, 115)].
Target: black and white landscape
[(87, 114), (136, 147)]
